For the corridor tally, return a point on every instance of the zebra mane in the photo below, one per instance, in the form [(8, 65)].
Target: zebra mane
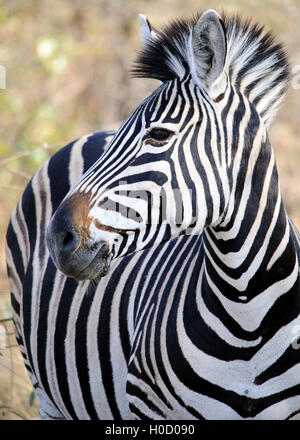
[(255, 64)]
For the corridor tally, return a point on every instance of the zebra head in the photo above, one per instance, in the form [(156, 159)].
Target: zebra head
[(175, 165)]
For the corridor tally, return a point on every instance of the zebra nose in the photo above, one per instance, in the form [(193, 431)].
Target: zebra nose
[(68, 241), (62, 237)]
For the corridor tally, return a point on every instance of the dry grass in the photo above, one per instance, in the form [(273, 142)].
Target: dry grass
[(17, 398)]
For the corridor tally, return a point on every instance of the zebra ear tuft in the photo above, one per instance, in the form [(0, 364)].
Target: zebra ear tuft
[(209, 48), (147, 31)]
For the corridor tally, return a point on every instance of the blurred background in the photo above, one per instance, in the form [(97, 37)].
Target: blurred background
[(67, 74)]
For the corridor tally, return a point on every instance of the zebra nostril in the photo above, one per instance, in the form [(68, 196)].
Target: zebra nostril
[(68, 238), (68, 241)]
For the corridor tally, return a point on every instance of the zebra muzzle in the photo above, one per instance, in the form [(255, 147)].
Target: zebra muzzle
[(80, 262), (72, 250), (98, 266)]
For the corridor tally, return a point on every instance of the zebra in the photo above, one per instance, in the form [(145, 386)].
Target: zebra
[(171, 286)]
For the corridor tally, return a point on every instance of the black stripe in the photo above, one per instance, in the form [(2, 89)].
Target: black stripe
[(61, 324)]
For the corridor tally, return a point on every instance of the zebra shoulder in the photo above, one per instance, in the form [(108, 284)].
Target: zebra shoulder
[(43, 194)]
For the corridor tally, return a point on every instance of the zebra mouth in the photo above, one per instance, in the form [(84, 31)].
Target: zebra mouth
[(97, 267)]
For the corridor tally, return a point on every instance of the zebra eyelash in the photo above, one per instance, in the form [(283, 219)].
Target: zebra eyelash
[(158, 136)]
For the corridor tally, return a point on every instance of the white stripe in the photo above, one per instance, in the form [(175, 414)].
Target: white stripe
[(76, 163)]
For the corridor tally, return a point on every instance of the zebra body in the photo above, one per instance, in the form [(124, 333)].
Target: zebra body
[(196, 315)]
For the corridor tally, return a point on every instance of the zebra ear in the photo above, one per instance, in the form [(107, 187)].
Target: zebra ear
[(209, 49), (147, 32)]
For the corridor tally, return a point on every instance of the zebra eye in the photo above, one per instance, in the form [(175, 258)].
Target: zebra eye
[(158, 136)]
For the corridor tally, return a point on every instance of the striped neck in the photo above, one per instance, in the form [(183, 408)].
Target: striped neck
[(250, 258)]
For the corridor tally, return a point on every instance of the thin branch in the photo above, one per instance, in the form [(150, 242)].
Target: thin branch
[(5, 319), (23, 379), (17, 173), (27, 153), (16, 187)]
